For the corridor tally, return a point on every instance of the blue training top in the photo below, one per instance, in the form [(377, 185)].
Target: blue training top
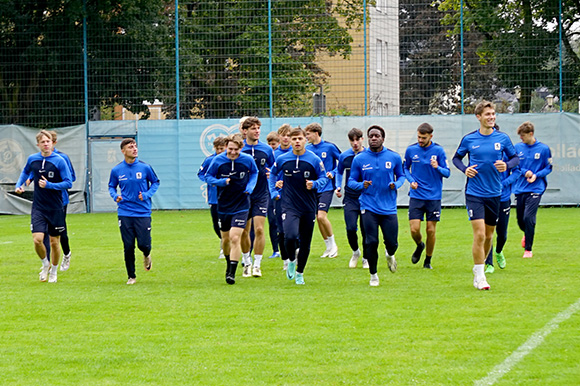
[(329, 153), (536, 158), (295, 171), (73, 176), (211, 189), (344, 165), (233, 197), (57, 174), (418, 169), (484, 151), (132, 179), (382, 168), (264, 157)]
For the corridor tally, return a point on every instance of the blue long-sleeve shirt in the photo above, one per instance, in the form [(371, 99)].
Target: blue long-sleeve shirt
[(343, 167), (418, 169), (211, 189), (484, 151), (263, 155), (382, 168), (329, 153), (65, 199), (132, 179), (536, 158), (57, 174), (295, 171), (243, 174)]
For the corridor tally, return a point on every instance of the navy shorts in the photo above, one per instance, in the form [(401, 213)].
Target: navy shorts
[(258, 207), (47, 221), (229, 221), (324, 200), (430, 209), (486, 208)]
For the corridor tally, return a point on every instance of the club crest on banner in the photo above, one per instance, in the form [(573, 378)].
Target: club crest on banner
[(211, 132)]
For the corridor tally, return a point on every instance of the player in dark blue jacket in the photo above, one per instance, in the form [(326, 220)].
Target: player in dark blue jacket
[(235, 175), (486, 148), (535, 164), (378, 172), (425, 166), (137, 183), (285, 147), (329, 153), (302, 173), (51, 177), (351, 206), (219, 147)]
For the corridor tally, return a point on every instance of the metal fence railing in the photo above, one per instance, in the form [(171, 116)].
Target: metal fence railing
[(64, 63)]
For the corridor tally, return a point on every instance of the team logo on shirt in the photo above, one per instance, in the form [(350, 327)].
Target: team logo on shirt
[(50, 174), (388, 165), (138, 175), (433, 157), (416, 156), (263, 161), (497, 146), (306, 174), (323, 155), (242, 174), (537, 156)]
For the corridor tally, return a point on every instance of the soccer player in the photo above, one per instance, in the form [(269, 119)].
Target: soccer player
[(329, 153), (137, 183), (263, 156), (235, 175), (425, 166), (51, 177), (285, 147), (274, 142), (535, 164), (351, 196), (302, 174), (486, 148), (377, 173), (219, 145)]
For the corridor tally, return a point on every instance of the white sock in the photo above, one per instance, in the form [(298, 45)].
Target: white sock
[(327, 242), (257, 260), (479, 271), (53, 268), (331, 241), (45, 262), (374, 275), (357, 252), (247, 259)]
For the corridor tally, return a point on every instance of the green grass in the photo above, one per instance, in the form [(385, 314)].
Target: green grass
[(182, 324)]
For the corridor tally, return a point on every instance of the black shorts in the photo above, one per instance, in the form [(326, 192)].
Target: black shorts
[(47, 221), (258, 207), (430, 209), (229, 221), (324, 200), (486, 208)]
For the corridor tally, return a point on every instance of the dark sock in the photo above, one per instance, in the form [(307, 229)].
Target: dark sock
[(427, 260), (233, 267), (417, 254)]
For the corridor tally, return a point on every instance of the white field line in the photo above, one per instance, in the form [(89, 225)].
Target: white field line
[(534, 341)]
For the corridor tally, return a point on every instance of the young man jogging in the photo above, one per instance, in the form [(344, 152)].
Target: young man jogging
[(285, 147), (486, 148), (51, 177), (425, 166), (137, 183), (377, 173)]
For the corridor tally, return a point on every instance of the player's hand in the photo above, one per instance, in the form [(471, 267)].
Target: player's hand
[(414, 185), (42, 182), (329, 175), (309, 184), (119, 199), (366, 184), (280, 184), (532, 178), (434, 163), (28, 182), (228, 181), (392, 185), (277, 197), (338, 193), (19, 190), (528, 174), (140, 196), (471, 171), (267, 173), (500, 166)]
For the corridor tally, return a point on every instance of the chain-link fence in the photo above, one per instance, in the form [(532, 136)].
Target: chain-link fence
[(65, 62)]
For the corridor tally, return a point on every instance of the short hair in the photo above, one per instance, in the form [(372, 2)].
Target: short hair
[(526, 128), (53, 135), (314, 128), (285, 129), (425, 128), (219, 141), (249, 122), (355, 134), (127, 141), (482, 106), (273, 137), (236, 139), (377, 127), (43, 133), (297, 131)]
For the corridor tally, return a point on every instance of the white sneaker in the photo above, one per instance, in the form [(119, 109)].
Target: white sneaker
[(333, 252), (365, 264), (221, 256), (354, 259), (392, 263), (52, 277), (131, 281), (326, 253), (481, 284), (256, 272), (65, 262), (247, 271), (374, 280), (147, 263), (43, 276)]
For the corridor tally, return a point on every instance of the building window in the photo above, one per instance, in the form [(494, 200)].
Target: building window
[(384, 60), (379, 108), (379, 53)]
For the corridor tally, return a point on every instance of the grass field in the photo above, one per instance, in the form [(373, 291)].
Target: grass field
[(182, 324)]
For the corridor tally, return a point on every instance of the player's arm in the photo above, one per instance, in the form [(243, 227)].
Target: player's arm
[(211, 174), (113, 183), (407, 164), (24, 176), (515, 174), (320, 172), (253, 176), (443, 166), (274, 193), (547, 164), (355, 180), (203, 169), (154, 184), (66, 182), (399, 175)]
